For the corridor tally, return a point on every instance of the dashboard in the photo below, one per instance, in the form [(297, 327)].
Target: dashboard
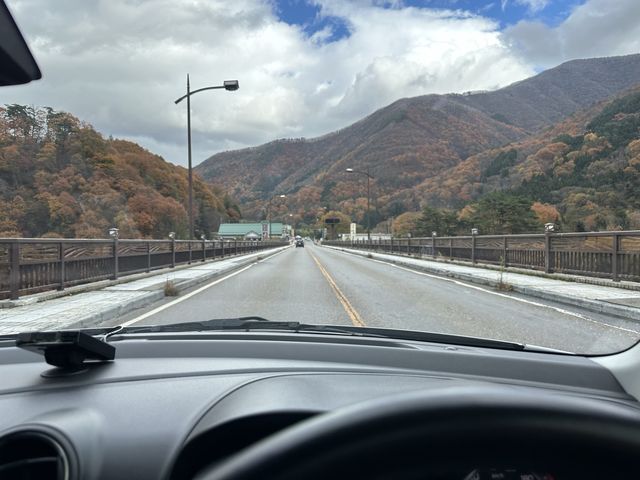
[(177, 405)]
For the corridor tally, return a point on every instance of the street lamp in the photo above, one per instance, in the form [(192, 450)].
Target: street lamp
[(269, 210), (369, 177), (230, 85)]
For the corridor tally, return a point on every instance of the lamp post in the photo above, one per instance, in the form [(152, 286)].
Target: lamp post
[(115, 234), (269, 210), (369, 177), (229, 85), (433, 243), (474, 234)]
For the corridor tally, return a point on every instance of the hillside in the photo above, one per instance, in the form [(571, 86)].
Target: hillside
[(395, 143), (411, 141), (587, 167), (61, 178)]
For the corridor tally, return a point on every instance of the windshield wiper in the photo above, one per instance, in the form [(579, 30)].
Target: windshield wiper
[(259, 323), (433, 337), (245, 324)]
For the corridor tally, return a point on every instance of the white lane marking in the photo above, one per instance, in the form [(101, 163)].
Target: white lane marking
[(195, 292), (530, 302)]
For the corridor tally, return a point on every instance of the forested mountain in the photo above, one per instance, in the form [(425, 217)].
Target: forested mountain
[(587, 168), (59, 177), (460, 156), (414, 145)]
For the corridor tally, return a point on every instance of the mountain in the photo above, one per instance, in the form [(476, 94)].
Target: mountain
[(554, 94), (586, 167), (411, 141), (61, 178)]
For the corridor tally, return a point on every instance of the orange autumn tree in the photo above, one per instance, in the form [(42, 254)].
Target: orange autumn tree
[(61, 178), (545, 212)]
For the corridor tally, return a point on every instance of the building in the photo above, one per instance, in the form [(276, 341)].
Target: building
[(253, 231)]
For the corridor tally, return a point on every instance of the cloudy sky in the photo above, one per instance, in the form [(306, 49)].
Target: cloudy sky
[(305, 67)]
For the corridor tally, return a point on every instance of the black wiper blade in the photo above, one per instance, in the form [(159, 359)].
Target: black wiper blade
[(200, 326), (245, 324), (259, 323), (433, 337)]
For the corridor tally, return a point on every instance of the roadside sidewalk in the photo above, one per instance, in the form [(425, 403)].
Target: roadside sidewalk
[(609, 299), (91, 308)]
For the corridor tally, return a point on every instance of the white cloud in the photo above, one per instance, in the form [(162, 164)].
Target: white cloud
[(533, 5), (409, 51), (596, 28), (120, 64)]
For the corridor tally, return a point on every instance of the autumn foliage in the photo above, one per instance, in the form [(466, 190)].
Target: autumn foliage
[(61, 178)]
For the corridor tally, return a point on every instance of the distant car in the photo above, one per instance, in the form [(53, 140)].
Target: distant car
[(299, 243)]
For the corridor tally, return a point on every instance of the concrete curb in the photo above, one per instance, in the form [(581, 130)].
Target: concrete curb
[(100, 284), (97, 318), (597, 306)]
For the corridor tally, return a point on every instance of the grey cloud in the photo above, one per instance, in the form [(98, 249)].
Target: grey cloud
[(79, 25), (596, 28), (538, 43)]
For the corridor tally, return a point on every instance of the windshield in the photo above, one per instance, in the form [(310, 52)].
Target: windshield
[(468, 169)]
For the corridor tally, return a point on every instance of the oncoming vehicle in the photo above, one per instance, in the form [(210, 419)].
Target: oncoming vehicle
[(137, 341)]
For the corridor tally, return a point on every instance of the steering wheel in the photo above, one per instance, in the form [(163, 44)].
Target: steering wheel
[(448, 433)]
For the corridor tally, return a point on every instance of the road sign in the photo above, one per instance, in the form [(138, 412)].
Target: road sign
[(265, 231), (352, 231), (331, 220)]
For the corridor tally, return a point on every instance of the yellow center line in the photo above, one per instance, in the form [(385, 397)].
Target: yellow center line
[(355, 317)]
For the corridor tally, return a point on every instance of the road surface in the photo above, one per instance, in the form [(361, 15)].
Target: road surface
[(324, 286)]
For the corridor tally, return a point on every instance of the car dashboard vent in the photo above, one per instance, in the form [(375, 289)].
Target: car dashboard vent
[(27, 455)]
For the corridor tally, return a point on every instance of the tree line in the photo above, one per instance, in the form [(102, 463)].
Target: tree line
[(498, 213)]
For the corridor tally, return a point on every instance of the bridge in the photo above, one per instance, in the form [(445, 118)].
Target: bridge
[(614, 255), (31, 265), (456, 285)]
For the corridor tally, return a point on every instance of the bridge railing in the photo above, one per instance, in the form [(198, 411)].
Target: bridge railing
[(614, 255), (31, 265)]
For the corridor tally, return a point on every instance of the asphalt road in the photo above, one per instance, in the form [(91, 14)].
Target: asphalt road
[(325, 286)]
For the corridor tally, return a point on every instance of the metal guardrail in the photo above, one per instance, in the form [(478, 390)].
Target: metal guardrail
[(614, 255), (31, 265)]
